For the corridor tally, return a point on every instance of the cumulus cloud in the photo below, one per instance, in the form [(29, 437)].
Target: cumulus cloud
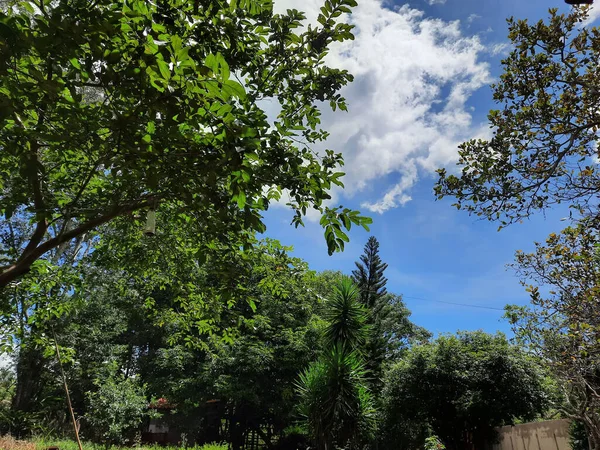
[(408, 102)]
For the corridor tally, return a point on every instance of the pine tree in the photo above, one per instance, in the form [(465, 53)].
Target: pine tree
[(369, 278), (368, 275)]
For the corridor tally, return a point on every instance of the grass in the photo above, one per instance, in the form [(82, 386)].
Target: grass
[(8, 443)]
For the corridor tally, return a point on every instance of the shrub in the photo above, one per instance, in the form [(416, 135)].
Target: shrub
[(578, 437), (116, 409)]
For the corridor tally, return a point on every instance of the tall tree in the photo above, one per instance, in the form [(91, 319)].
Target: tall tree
[(562, 326), (388, 317), (368, 275), (109, 107), (545, 132)]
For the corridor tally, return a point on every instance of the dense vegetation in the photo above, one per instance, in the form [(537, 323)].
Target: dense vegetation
[(137, 162), (287, 363), (544, 152)]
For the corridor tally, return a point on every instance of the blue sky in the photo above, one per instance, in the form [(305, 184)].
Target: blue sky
[(422, 72)]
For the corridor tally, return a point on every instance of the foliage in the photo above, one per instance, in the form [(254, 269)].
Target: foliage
[(112, 108), (563, 326), (368, 275), (42, 444), (346, 317), (334, 398), (545, 133), (165, 321), (393, 331), (578, 437), (335, 401), (116, 408), (7, 385), (462, 387), (433, 443)]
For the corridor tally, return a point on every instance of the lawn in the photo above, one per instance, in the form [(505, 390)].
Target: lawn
[(8, 443)]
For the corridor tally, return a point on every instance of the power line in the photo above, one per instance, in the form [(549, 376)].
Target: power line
[(455, 304)]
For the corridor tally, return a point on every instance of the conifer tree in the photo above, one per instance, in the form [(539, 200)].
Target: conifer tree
[(368, 275)]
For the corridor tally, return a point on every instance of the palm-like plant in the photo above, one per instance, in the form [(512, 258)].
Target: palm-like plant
[(335, 401), (346, 316), (334, 398)]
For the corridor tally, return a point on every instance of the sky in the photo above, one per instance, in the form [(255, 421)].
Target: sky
[(422, 75)]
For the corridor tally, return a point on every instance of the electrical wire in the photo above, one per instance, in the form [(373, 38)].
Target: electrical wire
[(466, 305)]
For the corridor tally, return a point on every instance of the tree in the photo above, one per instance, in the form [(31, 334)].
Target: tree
[(462, 387), (388, 320), (335, 401), (334, 398), (368, 275), (545, 133), (562, 326), (158, 319), (114, 108)]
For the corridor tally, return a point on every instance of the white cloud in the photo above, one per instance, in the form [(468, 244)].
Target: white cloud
[(407, 104), (473, 17), (594, 14), (501, 48), (436, 2)]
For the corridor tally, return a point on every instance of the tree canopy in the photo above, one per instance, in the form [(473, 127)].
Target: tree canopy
[(109, 108), (545, 132), (562, 326), (462, 387)]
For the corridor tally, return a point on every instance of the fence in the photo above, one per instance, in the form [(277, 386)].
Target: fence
[(548, 435)]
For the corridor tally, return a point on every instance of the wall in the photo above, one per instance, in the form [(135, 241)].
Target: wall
[(548, 435)]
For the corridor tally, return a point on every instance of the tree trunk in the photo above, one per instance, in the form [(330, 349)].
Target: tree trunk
[(593, 437), (591, 422), (30, 364)]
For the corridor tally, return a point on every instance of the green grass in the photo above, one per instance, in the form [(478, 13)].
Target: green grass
[(41, 444)]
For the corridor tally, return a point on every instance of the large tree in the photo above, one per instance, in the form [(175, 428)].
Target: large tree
[(108, 108), (166, 323), (461, 386), (562, 326), (544, 140)]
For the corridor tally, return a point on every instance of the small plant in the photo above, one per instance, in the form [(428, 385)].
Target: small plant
[(433, 443), (212, 446)]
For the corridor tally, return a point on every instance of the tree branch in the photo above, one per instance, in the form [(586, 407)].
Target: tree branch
[(24, 263)]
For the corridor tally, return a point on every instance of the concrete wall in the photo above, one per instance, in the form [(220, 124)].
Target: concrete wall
[(548, 435)]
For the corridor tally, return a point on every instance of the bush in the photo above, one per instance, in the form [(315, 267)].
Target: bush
[(294, 438), (578, 437), (434, 443), (116, 410)]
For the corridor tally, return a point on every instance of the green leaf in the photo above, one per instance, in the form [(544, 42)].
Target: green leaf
[(241, 199), (234, 89), (164, 69), (75, 63)]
